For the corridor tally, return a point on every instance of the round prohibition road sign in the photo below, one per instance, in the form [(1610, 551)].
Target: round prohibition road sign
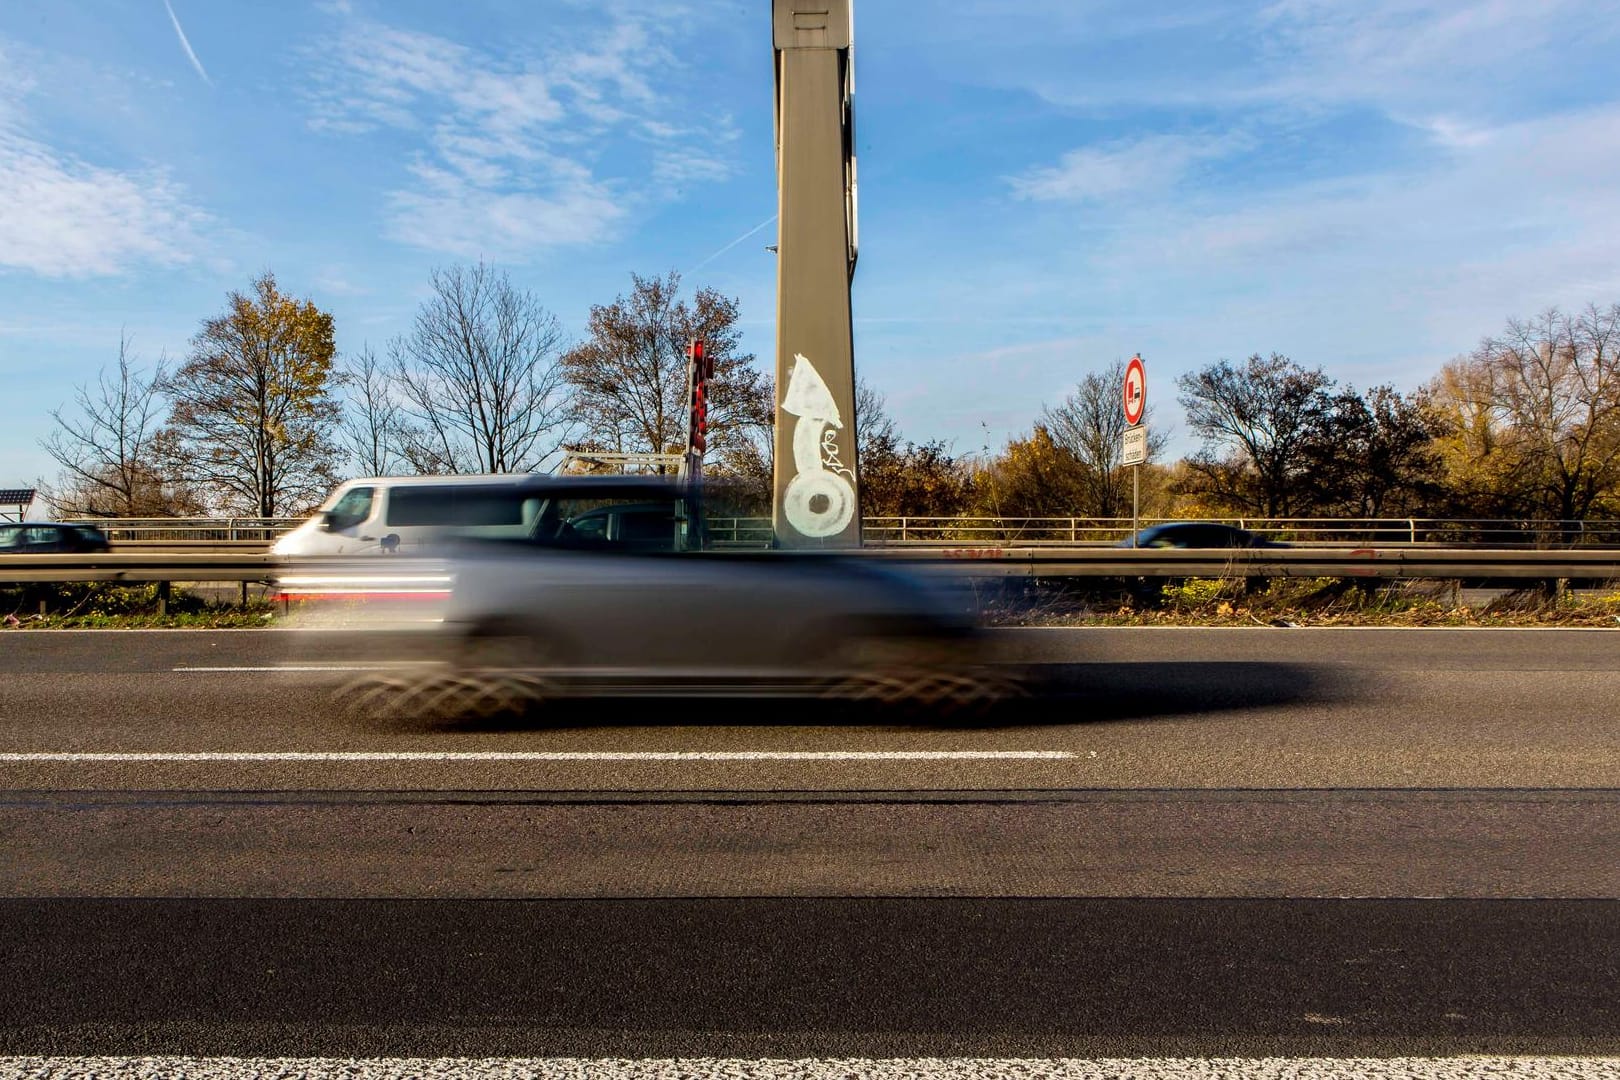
[(1135, 391)]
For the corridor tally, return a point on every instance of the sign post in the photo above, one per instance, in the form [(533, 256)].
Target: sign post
[(699, 370), (1133, 442)]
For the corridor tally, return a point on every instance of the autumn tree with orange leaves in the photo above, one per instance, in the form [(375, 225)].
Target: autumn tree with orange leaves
[(252, 414)]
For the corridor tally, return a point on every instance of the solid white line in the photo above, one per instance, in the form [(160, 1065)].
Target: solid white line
[(304, 667), (531, 755), (1324, 629)]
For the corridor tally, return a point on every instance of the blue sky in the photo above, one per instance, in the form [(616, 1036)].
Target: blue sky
[(1046, 185)]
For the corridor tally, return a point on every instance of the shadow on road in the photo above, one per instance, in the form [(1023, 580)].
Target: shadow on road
[(1146, 690), (1055, 694)]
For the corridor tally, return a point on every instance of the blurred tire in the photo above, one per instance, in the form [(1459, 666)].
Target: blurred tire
[(921, 678)]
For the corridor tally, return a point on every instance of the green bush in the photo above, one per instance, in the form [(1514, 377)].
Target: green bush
[(99, 600), (1195, 594)]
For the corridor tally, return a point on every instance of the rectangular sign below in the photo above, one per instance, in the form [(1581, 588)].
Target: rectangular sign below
[(1133, 449)]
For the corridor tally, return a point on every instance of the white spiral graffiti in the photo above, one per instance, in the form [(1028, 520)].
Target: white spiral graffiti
[(809, 399)]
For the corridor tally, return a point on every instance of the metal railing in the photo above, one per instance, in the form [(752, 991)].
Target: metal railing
[(884, 531), (973, 562), (881, 531), (228, 530)]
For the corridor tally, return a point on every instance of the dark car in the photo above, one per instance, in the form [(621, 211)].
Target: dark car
[(50, 538), (1189, 534), (1198, 534)]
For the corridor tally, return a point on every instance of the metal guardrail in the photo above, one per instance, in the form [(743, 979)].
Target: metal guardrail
[(1076, 531), (928, 531), (237, 530), (1369, 562), (975, 562), (139, 567)]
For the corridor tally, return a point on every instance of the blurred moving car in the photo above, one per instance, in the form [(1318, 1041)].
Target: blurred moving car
[(51, 538), (1198, 534), (616, 589)]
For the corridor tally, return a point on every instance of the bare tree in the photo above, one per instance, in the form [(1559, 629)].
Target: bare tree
[(629, 375), (1532, 418), (372, 430), (1559, 381), (110, 451), (1257, 422), (251, 410), (479, 377), (1090, 424)]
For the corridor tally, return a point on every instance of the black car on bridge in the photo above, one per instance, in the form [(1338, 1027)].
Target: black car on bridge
[(51, 538), (1198, 534)]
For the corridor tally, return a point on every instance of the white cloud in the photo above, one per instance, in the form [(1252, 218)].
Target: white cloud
[(510, 147), (62, 216), (1124, 167), (1380, 277), (1503, 192), (1483, 62), (1448, 70), (463, 219)]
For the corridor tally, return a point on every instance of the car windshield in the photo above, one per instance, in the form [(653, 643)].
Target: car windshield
[(538, 539)]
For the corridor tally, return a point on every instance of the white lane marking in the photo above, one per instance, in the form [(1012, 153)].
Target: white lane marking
[(305, 667), (1277, 1068), (1096, 629), (532, 755)]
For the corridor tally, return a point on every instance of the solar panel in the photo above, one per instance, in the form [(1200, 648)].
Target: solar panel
[(16, 496)]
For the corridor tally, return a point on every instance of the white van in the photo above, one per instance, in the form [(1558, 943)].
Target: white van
[(381, 515)]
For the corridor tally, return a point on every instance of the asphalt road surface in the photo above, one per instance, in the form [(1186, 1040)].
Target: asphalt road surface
[(1277, 841)]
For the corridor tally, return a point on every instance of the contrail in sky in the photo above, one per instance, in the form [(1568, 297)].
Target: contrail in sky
[(186, 45), (731, 245)]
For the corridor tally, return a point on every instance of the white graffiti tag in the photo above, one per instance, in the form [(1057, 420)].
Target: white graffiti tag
[(819, 500)]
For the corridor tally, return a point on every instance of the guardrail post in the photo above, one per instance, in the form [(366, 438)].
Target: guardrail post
[(163, 597), (1411, 529)]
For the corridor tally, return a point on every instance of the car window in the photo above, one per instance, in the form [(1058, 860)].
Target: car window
[(1162, 538), (11, 537), (352, 509), (593, 526), (457, 506), (648, 527), (609, 523)]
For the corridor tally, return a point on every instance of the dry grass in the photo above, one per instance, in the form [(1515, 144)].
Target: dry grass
[(1312, 602)]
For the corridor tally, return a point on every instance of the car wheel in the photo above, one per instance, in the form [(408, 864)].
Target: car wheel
[(917, 677), (441, 695)]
